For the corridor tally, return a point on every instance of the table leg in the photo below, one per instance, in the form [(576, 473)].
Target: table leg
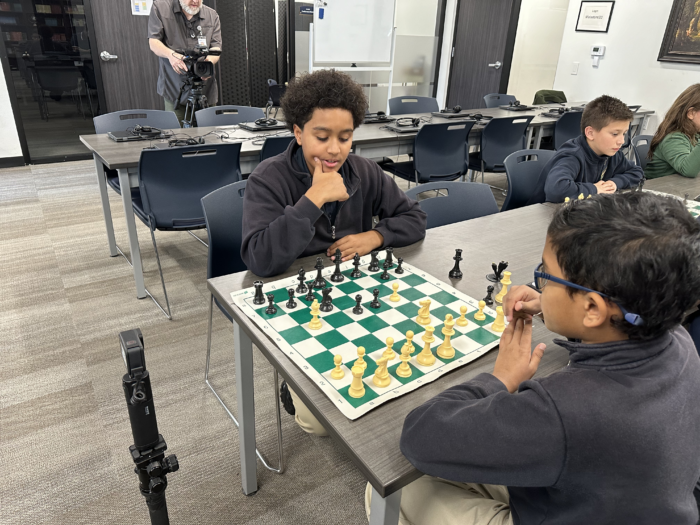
[(106, 210), (384, 511), (243, 352), (538, 137), (131, 232), (528, 138)]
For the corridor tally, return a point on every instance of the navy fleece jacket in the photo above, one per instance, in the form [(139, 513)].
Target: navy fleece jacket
[(576, 168), (612, 439), (280, 224)]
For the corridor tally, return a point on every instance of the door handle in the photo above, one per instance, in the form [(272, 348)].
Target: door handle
[(497, 65), (106, 57)]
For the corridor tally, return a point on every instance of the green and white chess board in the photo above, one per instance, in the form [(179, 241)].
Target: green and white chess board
[(343, 332), (693, 206)]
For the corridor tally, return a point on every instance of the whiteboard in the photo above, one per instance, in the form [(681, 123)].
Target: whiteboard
[(353, 31)]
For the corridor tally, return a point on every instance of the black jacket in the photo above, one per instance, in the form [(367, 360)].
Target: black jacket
[(280, 224), (576, 168), (612, 439)]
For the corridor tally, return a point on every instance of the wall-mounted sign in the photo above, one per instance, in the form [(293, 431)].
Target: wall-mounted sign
[(594, 16), (141, 7)]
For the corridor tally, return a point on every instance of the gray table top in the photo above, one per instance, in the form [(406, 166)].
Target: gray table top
[(675, 185), (372, 441)]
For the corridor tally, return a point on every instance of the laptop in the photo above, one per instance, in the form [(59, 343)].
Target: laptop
[(252, 126), (129, 136), (519, 107), (376, 119), (403, 129), (450, 114)]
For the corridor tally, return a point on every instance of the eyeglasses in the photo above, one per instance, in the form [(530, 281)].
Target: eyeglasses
[(541, 279)]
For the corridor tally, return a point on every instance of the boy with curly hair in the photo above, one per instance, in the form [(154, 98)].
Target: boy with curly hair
[(317, 197)]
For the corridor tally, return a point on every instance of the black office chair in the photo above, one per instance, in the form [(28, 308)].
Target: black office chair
[(641, 144), (567, 127), (499, 138), (227, 115), (628, 139), (408, 104), (438, 154), (275, 93), (274, 146), (172, 183), (493, 100), (523, 169), (223, 213), (454, 201), (56, 80)]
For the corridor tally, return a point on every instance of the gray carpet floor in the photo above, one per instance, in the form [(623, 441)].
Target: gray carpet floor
[(64, 428)]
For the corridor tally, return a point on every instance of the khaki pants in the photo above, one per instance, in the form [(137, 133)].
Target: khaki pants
[(180, 112), (304, 418), (435, 501)]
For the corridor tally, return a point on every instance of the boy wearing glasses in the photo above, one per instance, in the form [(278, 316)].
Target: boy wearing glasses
[(613, 438)]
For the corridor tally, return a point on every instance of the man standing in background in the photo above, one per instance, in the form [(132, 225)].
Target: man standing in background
[(173, 27)]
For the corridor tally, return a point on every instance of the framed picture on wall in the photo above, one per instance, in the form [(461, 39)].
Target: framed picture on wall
[(681, 41), (594, 17)]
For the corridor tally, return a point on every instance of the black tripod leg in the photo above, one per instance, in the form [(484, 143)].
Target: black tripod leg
[(157, 508)]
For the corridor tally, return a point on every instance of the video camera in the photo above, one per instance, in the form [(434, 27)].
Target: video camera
[(197, 66)]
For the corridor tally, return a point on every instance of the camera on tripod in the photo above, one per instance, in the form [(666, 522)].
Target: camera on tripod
[(197, 69), (197, 66)]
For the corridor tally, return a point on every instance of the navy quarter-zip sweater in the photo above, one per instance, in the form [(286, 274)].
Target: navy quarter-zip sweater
[(280, 224), (575, 169), (612, 439)]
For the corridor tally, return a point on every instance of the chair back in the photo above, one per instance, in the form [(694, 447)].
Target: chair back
[(523, 169), (227, 115), (440, 149), (223, 213), (411, 104), (274, 146), (57, 79), (123, 120), (275, 92), (172, 181), (493, 100), (464, 201), (628, 138), (567, 127), (501, 137), (641, 144)]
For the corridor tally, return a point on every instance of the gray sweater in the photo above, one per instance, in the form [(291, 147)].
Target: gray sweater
[(280, 224), (613, 438)]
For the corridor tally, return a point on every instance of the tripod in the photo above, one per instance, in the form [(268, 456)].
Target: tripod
[(195, 101)]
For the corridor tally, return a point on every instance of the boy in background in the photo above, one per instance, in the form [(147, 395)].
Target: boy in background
[(613, 437), (591, 163)]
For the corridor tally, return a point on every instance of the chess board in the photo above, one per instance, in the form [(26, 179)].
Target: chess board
[(343, 332), (693, 206)]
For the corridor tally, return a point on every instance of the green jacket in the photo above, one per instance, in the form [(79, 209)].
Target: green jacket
[(675, 154)]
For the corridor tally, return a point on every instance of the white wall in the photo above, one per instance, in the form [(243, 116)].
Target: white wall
[(9, 138), (629, 70), (537, 43)]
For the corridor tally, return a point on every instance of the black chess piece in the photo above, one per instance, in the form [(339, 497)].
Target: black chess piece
[(399, 268), (495, 277), (456, 273), (358, 310), (337, 277), (302, 286), (259, 297), (488, 299), (356, 273), (327, 301), (385, 274), (319, 282), (375, 302), (271, 309), (291, 303), (374, 263), (390, 256), (310, 297)]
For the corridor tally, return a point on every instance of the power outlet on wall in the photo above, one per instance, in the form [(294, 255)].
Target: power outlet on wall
[(574, 69)]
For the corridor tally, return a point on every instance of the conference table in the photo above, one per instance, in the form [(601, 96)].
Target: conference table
[(372, 141)]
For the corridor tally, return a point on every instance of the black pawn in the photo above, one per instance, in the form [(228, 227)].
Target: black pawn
[(302, 286), (271, 309), (399, 268), (456, 273), (374, 263), (375, 302), (390, 256), (291, 303), (356, 274), (310, 296), (358, 310), (259, 297), (319, 282), (385, 274), (337, 277), (327, 301), (488, 299)]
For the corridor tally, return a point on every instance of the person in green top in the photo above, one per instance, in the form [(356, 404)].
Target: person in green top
[(674, 148)]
